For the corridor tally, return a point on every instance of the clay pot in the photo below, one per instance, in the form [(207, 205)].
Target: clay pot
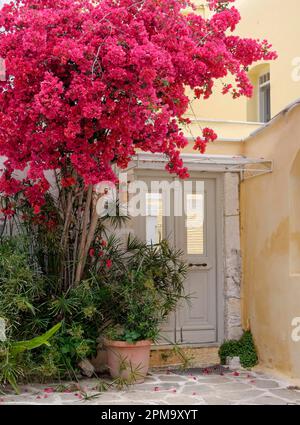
[(128, 361)]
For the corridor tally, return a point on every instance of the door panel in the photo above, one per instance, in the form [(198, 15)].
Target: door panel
[(195, 233), (192, 230)]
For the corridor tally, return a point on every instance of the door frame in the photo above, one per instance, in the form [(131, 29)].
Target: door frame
[(147, 172)]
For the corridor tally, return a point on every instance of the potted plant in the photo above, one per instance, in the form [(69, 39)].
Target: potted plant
[(142, 296)]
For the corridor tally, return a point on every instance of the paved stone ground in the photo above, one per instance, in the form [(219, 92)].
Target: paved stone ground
[(163, 388)]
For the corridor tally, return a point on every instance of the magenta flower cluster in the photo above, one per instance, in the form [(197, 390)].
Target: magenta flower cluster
[(89, 83)]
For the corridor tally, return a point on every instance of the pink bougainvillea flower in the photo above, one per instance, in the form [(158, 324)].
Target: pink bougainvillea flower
[(36, 209), (95, 82), (8, 212), (92, 252), (68, 181), (226, 88), (209, 135), (198, 93), (78, 395), (49, 390)]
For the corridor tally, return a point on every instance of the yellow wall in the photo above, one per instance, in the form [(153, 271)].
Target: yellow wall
[(278, 22), (231, 136), (270, 221)]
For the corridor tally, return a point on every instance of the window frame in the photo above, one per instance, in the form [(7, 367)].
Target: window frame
[(264, 82)]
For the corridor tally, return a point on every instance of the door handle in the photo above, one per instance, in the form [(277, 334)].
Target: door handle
[(198, 265)]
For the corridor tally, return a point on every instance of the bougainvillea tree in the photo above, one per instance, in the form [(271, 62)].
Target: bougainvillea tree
[(88, 83)]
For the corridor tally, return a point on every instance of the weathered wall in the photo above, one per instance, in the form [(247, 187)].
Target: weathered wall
[(232, 258), (270, 211)]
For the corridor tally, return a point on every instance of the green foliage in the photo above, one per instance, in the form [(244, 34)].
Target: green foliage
[(144, 291), (31, 303), (130, 298), (21, 283), (229, 349), (10, 364), (248, 355), (20, 346), (244, 349)]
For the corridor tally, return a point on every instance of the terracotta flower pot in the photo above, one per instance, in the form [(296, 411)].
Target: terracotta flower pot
[(128, 361)]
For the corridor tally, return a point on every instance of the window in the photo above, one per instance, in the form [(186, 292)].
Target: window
[(154, 218), (194, 224), (264, 97)]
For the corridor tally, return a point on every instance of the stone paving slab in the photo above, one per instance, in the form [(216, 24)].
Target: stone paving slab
[(166, 388)]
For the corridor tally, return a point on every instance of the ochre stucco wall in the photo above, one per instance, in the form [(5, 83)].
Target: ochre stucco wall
[(271, 288)]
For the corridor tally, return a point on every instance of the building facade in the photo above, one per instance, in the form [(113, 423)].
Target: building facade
[(242, 241)]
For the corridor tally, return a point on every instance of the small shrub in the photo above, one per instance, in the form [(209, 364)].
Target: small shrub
[(244, 349), (248, 355), (228, 349)]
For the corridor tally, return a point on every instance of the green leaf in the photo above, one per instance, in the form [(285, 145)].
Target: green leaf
[(20, 346), (13, 382), (30, 306)]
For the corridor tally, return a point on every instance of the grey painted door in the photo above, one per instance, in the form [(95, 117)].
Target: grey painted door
[(190, 225)]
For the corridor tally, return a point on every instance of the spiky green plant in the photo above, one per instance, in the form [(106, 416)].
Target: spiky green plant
[(10, 365)]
